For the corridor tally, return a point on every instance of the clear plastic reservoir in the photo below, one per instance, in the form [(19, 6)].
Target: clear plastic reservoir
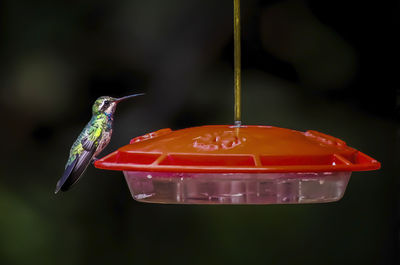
[(237, 188)]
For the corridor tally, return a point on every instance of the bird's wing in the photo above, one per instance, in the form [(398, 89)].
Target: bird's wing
[(82, 162), (74, 170), (91, 140)]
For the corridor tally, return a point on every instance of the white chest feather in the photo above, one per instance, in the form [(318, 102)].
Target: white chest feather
[(105, 139)]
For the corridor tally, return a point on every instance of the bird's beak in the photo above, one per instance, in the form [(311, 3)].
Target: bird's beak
[(130, 96)]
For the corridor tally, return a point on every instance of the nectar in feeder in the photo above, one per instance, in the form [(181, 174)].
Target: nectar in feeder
[(237, 165)]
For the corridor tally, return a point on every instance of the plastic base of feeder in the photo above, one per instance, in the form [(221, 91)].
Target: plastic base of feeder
[(237, 188)]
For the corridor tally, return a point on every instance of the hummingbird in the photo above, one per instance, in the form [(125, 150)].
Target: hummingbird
[(91, 141)]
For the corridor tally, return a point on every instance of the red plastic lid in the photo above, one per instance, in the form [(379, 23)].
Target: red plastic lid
[(228, 149)]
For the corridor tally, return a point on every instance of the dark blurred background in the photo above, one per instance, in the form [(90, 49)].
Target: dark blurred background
[(330, 66)]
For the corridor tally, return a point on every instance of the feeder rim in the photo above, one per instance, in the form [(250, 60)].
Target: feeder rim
[(231, 149)]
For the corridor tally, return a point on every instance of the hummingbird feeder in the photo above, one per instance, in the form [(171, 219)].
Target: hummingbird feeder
[(237, 164)]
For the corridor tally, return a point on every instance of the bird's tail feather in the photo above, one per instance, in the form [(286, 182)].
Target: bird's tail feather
[(65, 175), (74, 171)]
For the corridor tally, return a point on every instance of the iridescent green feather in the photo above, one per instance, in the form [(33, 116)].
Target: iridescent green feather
[(92, 131)]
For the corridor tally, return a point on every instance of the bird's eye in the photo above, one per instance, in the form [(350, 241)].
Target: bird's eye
[(106, 103)]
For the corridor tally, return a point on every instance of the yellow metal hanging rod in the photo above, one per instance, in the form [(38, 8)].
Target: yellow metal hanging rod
[(237, 63)]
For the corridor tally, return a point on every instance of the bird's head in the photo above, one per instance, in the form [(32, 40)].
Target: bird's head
[(107, 104)]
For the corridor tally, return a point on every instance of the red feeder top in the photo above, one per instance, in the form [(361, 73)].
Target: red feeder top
[(228, 149)]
